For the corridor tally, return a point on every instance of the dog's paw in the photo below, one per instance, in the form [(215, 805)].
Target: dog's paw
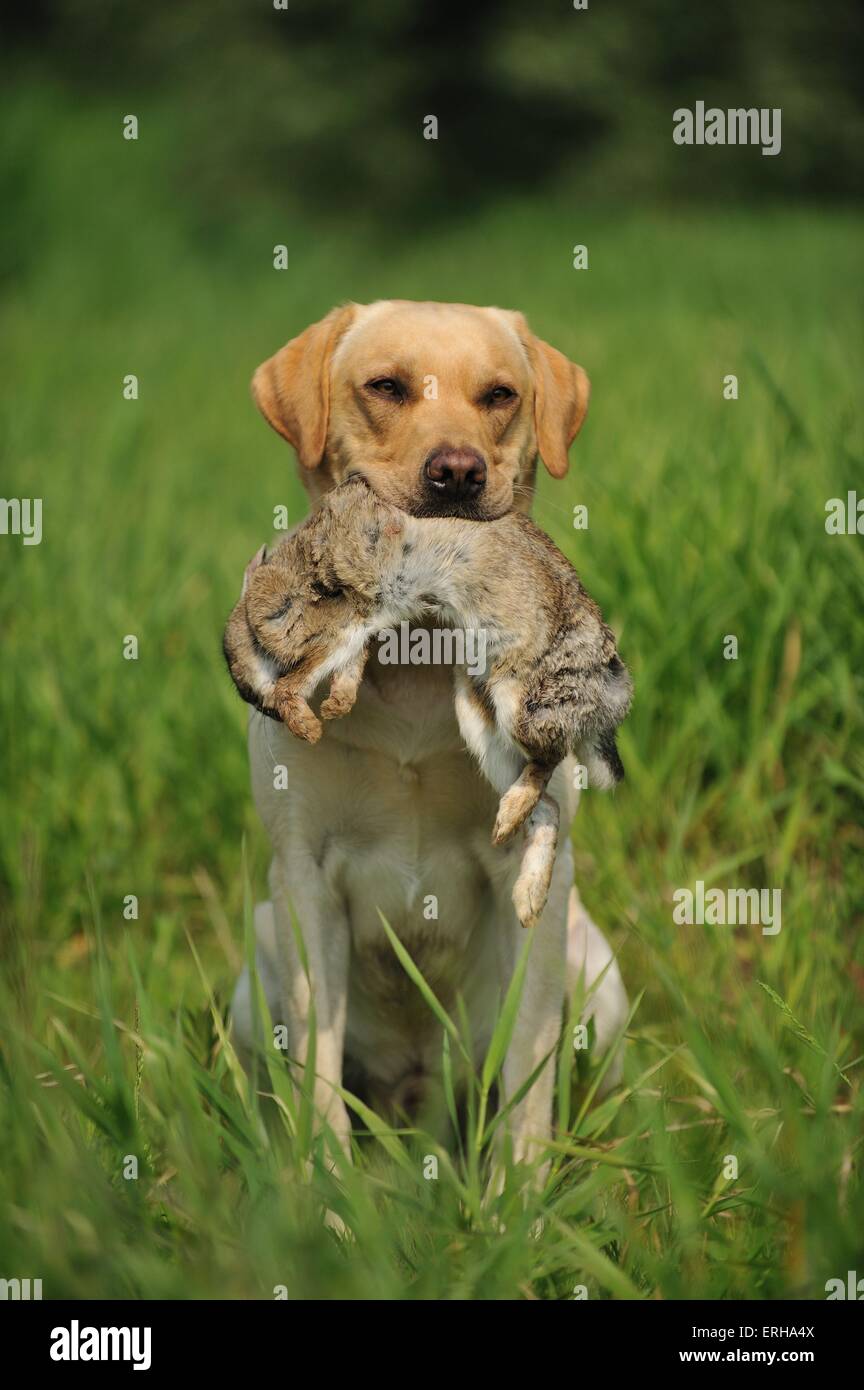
[(333, 1222)]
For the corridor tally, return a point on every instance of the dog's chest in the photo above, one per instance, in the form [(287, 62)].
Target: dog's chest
[(393, 813), (389, 815), (412, 841)]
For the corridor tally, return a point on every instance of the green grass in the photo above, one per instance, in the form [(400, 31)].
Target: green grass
[(706, 519)]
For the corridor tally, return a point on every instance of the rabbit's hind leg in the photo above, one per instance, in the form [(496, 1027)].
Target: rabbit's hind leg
[(531, 888), (520, 799)]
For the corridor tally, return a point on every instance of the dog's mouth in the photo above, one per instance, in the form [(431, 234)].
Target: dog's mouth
[(465, 510), (425, 503)]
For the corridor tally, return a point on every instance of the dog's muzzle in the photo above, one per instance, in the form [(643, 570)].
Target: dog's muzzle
[(454, 480)]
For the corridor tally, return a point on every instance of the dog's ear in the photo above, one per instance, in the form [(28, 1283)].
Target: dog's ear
[(561, 391), (292, 388)]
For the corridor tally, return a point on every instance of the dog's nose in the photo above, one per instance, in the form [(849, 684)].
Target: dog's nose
[(456, 472)]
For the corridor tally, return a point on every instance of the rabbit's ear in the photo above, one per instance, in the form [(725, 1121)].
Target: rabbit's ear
[(292, 388), (617, 692), (258, 559), (602, 762), (599, 750)]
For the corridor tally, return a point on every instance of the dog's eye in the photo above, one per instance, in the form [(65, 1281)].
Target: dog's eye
[(387, 386), (499, 395)]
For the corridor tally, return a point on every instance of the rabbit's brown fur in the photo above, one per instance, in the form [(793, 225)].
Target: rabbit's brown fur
[(553, 684)]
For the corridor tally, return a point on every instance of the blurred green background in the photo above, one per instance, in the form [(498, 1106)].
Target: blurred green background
[(155, 257), (322, 105)]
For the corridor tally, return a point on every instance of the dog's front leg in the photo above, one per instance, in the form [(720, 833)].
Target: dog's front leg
[(538, 1022), (303, 904)]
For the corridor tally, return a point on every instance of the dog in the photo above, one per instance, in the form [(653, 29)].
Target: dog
[(551, 682), (443, 410)]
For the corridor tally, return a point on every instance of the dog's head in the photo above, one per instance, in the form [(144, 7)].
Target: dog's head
[(442, 408)]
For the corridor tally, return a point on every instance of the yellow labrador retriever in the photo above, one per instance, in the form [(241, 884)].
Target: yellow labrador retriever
[(443, 409)]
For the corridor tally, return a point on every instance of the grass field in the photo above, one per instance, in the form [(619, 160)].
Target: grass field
[(130, 777)]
